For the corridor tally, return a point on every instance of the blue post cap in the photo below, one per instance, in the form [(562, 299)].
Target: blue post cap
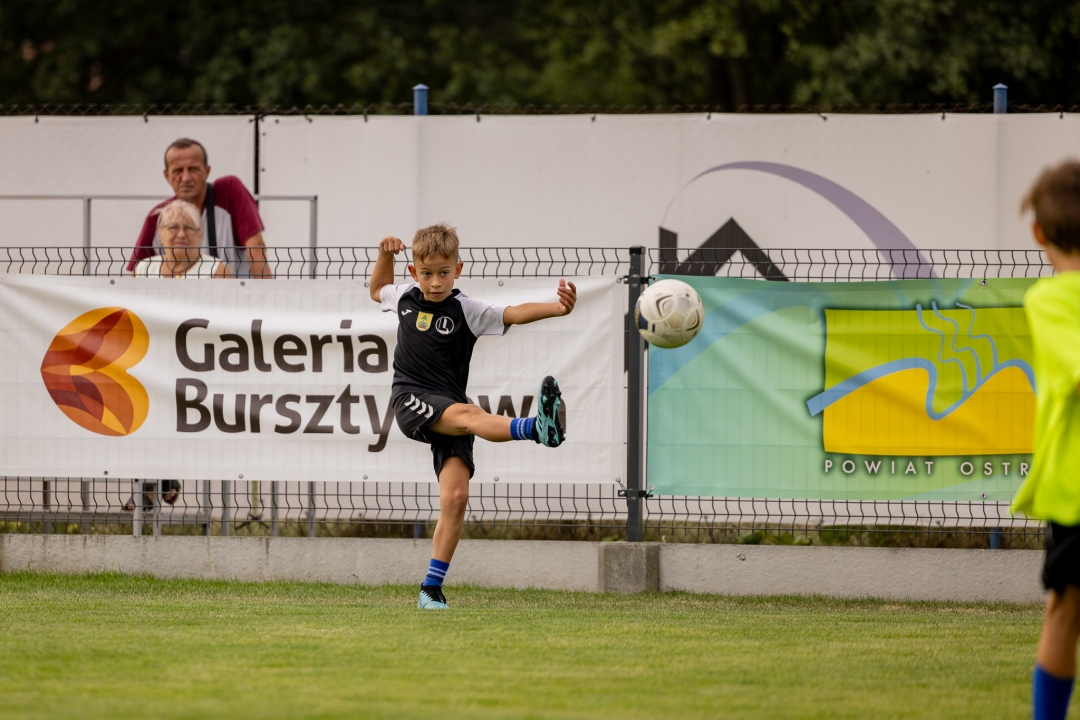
[(420, 93), (1001, 98)]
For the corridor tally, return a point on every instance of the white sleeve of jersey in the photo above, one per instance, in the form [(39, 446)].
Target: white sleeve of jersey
[(483, 319), (391, 294)]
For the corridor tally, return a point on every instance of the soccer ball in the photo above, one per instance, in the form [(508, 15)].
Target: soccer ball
[(669, 313)]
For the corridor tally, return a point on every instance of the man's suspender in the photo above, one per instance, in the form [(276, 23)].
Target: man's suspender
[(211, 230)]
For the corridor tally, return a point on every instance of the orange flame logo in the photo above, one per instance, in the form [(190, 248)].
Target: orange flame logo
[(85, 371)]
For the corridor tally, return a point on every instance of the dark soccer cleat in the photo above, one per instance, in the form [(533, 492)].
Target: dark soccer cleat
[(431, 598), (549, 416)]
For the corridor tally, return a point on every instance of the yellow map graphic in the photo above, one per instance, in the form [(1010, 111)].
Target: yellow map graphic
[(927, 382)]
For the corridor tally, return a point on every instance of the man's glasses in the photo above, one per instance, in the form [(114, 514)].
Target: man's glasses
[(175, 229)]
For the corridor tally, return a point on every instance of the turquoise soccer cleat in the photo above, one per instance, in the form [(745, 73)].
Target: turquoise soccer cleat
[(549, 424), (431, 598)]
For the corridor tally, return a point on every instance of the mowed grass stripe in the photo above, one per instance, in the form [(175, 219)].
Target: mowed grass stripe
[(107, 646)]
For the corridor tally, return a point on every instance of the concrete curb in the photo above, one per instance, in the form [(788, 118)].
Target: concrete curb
[(893, 573), (899, 574)]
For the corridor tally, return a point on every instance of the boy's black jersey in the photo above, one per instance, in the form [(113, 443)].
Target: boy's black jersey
[(435, 340)]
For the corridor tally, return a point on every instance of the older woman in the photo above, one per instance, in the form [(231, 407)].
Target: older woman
[(181, 235), (179, 227)]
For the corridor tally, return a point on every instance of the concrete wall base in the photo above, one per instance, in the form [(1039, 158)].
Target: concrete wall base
[(899, 574), (628, 567)]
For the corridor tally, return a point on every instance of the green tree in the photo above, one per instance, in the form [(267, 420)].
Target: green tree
[(918, 51), (721, 53)]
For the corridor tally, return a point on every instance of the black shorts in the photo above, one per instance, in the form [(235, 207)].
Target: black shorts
[(1062, 566), (417, 412)]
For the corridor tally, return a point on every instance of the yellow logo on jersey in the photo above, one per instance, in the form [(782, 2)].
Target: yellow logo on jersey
[(423, 321)]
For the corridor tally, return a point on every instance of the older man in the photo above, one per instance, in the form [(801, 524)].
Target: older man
[(235, 234)]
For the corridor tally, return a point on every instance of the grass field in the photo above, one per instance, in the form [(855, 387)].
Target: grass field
[(110, 646)]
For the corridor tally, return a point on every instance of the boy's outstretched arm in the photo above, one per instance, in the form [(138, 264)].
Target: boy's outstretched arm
[(383, 272), (531, 312)]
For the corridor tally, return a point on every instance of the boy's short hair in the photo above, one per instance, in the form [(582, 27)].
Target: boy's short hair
[(441, 240), (1055, 200)]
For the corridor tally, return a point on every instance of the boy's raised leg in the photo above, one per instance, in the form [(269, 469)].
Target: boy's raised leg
[(469, 419), (546, 427)]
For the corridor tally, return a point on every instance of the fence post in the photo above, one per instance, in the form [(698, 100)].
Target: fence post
[(274, 503), (84, 500), (86, 236), (1001, 106), (158, 508), (206, 508), (313, 233), (46, 506), (419, 95), (226, 508), (635, 404), (137, 511), (1001, 99), (258, 152)]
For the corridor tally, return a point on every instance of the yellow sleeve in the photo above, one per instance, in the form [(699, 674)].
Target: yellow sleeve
[(1053, 311)]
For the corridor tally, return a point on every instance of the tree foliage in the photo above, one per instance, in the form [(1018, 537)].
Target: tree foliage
[(722, 53)]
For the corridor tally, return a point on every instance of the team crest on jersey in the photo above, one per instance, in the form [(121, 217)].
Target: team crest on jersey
[(444, 325), (423, 321)]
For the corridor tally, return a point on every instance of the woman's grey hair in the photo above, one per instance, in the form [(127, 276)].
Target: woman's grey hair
[(182, 212)]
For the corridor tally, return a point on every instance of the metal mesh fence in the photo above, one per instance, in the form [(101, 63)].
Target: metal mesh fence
[(545, 511), (332, 262)]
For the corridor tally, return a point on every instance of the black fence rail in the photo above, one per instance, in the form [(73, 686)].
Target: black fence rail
[(784, 264), (501, 510), (331, 262), (436, 108), (847, 265)]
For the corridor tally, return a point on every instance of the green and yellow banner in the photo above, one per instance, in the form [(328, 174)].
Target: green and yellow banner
[(903, 390)]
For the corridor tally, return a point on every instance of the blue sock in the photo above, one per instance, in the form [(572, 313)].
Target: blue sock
[(1050, 695), (436, 572), (522, 428)]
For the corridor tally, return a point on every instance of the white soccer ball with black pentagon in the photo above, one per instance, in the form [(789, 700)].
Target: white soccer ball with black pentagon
[(669, 313)]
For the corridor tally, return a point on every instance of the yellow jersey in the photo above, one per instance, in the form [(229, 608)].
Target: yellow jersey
[(1051, 490)]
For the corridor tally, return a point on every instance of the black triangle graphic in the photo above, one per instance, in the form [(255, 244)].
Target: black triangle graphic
[(714, 253)]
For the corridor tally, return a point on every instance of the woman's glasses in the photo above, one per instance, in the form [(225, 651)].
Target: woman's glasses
[(175, 229)]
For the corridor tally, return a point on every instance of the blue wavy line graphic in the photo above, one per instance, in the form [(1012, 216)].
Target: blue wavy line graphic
[(941, 348), (987, 338), (819, 402), (952, 345)]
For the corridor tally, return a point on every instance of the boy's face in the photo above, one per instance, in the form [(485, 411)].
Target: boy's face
[(436, 275)]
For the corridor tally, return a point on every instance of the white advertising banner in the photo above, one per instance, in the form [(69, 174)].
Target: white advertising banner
[(282, 380)]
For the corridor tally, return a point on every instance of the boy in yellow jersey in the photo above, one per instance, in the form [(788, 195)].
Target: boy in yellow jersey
[(1051, 491)]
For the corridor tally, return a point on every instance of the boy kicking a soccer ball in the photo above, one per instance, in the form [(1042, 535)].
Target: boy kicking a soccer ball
[(438, 326), (1051, 490)]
